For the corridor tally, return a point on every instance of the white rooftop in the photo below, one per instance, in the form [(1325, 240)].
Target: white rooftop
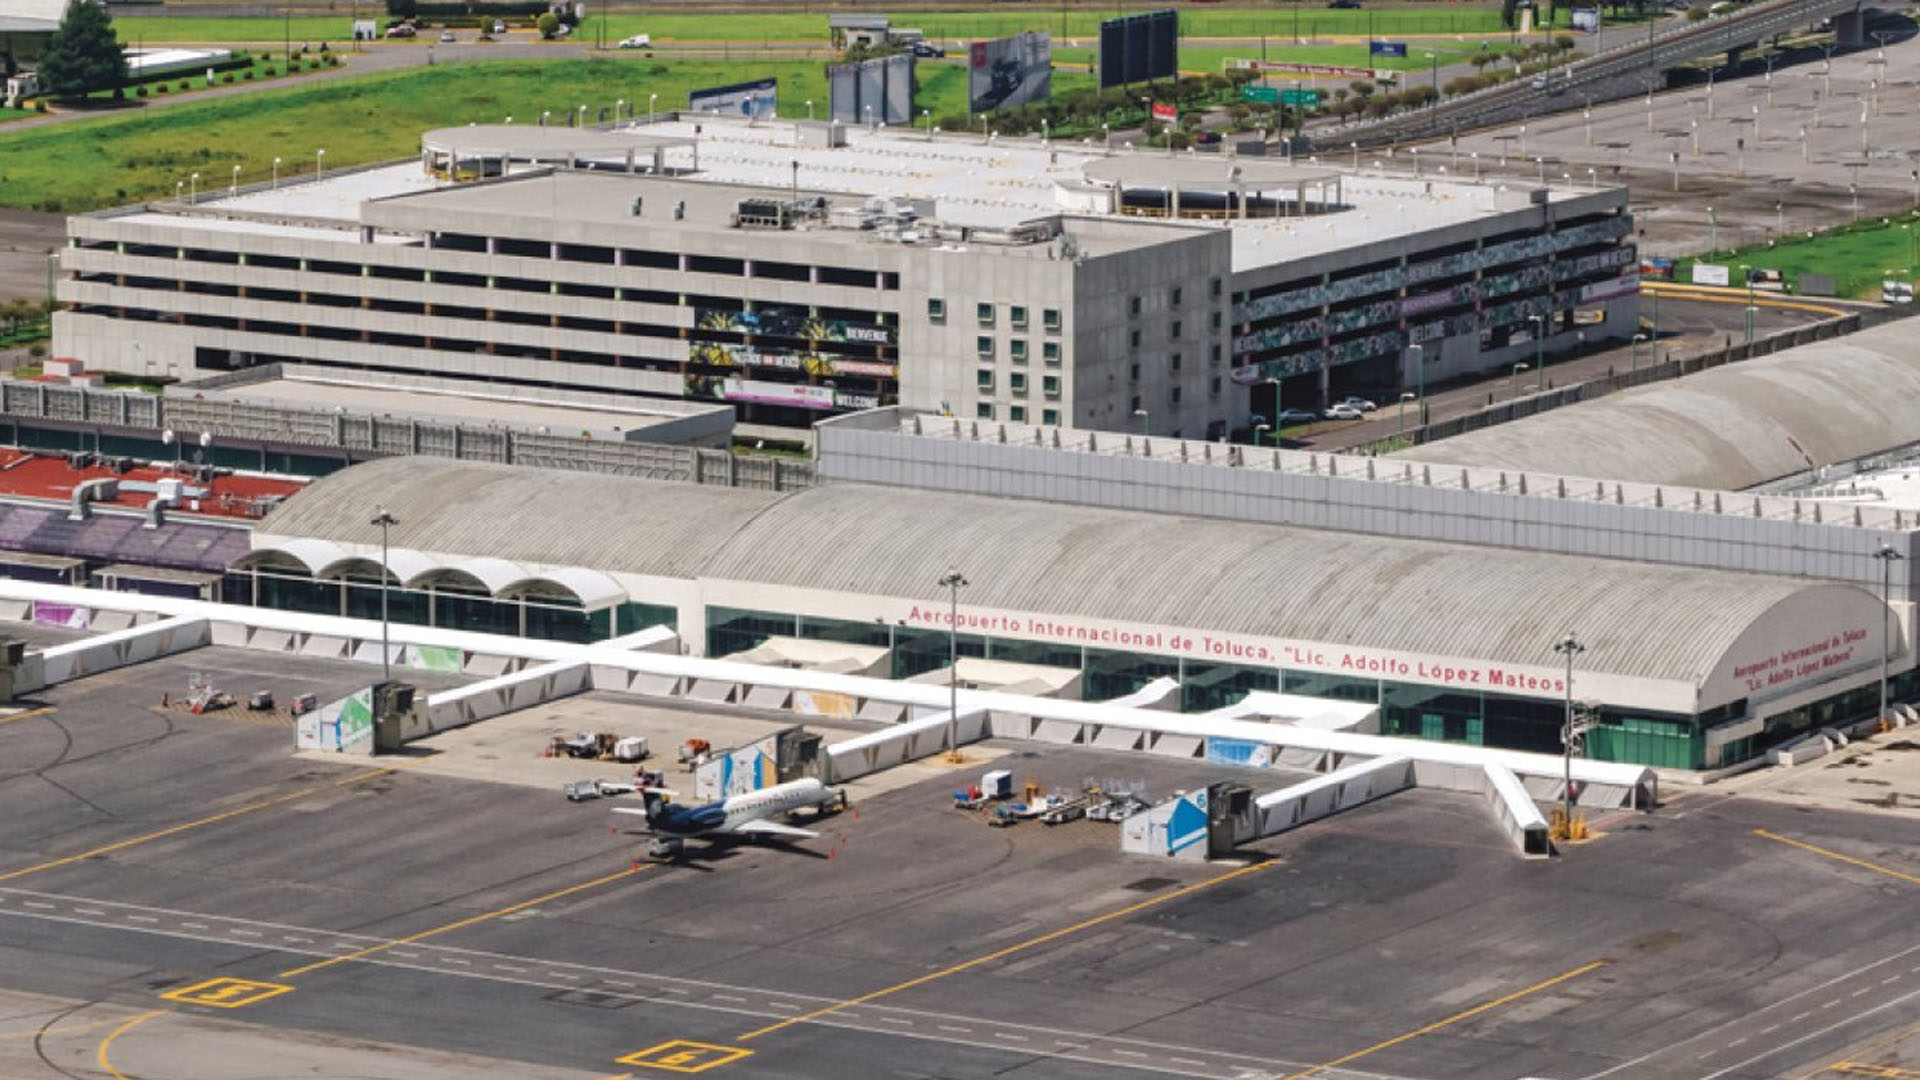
[(971, 181)]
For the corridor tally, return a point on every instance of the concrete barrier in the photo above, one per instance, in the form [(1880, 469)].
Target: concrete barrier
[(105, 652)]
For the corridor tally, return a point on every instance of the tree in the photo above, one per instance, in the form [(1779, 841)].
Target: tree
[(84, 54), (1509, 11), (549, 24)]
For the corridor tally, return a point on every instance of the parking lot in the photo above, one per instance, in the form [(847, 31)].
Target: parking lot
[(393, 919)]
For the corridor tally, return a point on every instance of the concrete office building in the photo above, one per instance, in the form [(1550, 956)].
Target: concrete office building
[(802, 270)]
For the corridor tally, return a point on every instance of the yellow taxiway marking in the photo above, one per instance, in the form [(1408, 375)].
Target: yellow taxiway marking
[(174, 830), (26, 714), (468, 921), (1008, 951), (1837, 857), (1885, 1072), (1469, 1014), (106, 1065), (683, 1056), (227, 993)]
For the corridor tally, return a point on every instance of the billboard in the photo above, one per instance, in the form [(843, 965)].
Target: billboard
[(877, 91), (1009, 71), (1387, 48), (1587, 19), (757, 99), (1139, 48)]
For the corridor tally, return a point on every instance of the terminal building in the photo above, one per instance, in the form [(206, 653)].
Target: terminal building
[(797, 271)]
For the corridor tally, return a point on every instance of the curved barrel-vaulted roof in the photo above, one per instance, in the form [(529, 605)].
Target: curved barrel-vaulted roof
[(1489, 604), (1727, 428)]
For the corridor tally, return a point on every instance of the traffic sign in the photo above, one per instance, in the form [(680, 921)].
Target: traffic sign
[(1263, 95), (1307, 98)]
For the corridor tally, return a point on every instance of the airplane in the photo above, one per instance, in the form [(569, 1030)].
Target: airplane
[(743, 815)]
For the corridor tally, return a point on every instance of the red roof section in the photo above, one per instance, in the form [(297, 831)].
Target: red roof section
[(48, 476)]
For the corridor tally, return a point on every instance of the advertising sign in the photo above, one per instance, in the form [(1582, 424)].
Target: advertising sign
[(1587, 19), (754, 391), (1139, 48), (1387, 48), (757, 99), (1329, 71), (1009, 71), (791, 321), (1708, 274), (1165, 113), (877, 91)]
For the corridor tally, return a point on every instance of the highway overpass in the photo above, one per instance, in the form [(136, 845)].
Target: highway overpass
[(1623, 71)]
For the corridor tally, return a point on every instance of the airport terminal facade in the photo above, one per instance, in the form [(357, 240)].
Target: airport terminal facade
[(797, 273), (1684, 669)]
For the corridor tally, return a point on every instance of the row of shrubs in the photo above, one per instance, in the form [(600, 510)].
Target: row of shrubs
[(247, 74)]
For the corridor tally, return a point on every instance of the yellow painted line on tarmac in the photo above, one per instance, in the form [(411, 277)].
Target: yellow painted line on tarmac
[(1008, 951), (1485, 1006), (629, 871), (174, 830), (1836, 856), (1712, 295), (106, 1065), (27, 715)]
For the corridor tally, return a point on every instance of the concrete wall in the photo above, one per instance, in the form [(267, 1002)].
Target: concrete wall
[(105, 652)]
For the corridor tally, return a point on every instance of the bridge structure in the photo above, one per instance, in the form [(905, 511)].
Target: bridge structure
[(1620, 72)]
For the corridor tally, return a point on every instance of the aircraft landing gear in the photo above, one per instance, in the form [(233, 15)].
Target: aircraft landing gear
[(663, 850)]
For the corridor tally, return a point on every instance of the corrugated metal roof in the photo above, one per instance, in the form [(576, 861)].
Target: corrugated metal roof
[(548, 518), (1234, 577), (1728, 428)]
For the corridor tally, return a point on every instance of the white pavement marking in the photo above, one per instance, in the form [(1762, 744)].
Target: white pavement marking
[(219, 930)]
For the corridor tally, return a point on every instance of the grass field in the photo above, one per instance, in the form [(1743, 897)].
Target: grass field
[(1858, 257), (93, 163), (1309, 20)]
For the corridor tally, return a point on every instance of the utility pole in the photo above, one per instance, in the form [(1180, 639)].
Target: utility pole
[(385, 521), (1569, 647)]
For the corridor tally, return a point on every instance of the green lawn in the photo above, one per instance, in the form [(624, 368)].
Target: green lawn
[(87, 164), (1309, 20), (1858, 257)]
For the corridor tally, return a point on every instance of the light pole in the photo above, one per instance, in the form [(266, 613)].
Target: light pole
[(276, 174), (1258, 428), (1146, 421), (1420, 379), (193, 188), (954, 582), (385, 521), (319, 163), (1518, 369), (1747, 272), (1637, 340), (1569, 647), (1887, 557), (1539, 347), (1713, 234), (1404, 398), (618, 104), (1279, 422), (652, 98), (234, 187), (1475, 155)]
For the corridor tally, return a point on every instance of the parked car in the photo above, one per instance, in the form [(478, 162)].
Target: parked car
[(1343, 4), (401, 30), (499, 27), (1358, 402), (1290, 417), (1343, 411), (1205, 138), (926, 50), (637, 41), (447, 38)]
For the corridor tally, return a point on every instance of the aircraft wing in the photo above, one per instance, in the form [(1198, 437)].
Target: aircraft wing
[(763, 827), (630, 810)]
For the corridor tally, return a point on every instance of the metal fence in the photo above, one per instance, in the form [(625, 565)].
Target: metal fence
[(132, 413)]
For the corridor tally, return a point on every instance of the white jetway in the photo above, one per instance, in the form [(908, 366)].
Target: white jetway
[(853, 758), (1602, 784), (104, 652)]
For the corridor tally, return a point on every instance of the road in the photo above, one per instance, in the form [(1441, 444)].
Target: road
[(1692, 322)]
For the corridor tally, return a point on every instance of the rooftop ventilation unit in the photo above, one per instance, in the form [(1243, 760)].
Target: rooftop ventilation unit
[(762, 214)]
